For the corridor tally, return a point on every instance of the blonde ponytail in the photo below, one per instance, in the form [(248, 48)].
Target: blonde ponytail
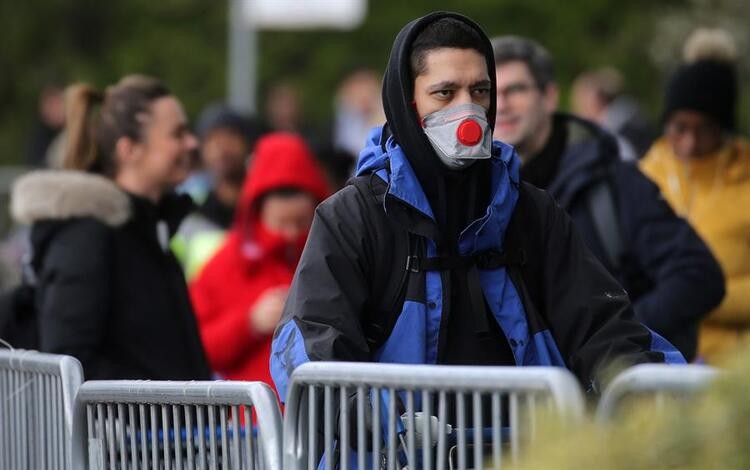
[(81, 151)]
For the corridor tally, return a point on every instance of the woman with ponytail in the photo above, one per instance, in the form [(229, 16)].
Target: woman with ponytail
[(108, 289)]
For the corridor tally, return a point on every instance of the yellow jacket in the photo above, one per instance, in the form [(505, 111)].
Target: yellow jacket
[(713, 193)]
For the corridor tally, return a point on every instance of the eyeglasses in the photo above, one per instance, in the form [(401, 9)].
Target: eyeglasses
[(515, 90)]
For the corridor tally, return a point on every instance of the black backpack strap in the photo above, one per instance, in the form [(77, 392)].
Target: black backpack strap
[(389, 279), (600, 200), (491, 259)]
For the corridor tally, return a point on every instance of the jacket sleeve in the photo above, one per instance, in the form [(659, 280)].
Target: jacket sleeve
[(74, 297), (687, 279), (322, 316), (590, 314), (225, 332)]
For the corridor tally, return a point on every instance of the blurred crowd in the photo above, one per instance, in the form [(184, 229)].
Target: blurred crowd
[(151, 247)]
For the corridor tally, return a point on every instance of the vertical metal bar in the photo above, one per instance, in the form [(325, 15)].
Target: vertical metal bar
[(27, 407), (154, 438), (64, 437), (410, 435), (249, 441), (177, 435), (50, 430), (236, 429), (243, 58), (55, 402), (328, 426), (213, 457), (497, 431), (344, 428), (46, 419), (133, 432), (90, 420), (121, 438), (144, 431), (312, 427), (426, 429), (223, 430), (189, 442), (391, 429), (514, 431), (361, 433), (109, 424), (200, 410), (167, 453), (376, 427), (442, 426), (461, 423), (5, 450), (478, 430)]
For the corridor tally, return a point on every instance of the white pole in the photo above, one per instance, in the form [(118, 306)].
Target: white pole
[(243, 58)]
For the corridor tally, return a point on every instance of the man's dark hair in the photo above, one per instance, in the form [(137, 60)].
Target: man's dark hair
[(534, 55), (445, 32)]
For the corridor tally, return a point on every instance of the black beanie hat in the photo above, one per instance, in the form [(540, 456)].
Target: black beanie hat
[(706, 86)]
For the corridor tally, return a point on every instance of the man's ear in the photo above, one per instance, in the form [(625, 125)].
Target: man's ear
[(551, 95)]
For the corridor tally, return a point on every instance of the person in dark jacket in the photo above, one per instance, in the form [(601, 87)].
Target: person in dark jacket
[(108, 290), (667, 270), (496, 275)]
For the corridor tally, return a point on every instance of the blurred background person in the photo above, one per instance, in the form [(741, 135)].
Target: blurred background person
[(283, 108), (358, 108), (240, 293), (702, 166), (226, 143), (109, 291), (49, 122), (598, 95), (667, 270)]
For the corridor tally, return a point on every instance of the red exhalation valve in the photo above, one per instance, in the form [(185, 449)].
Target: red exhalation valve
[(469, 133)]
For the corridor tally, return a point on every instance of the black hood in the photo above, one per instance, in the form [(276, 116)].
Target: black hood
[(436, 180)]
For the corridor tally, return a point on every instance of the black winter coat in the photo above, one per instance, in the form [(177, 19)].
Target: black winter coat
[(668, 271), (109, 291)]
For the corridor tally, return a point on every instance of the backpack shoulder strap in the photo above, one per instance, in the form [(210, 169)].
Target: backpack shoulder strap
[(600, 201), (390, 276), (525, 234)]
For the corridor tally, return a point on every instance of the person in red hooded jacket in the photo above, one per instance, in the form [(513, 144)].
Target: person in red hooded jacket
[(239, 294)]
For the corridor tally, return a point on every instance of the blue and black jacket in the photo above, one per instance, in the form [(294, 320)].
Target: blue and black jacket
[(558, 307)]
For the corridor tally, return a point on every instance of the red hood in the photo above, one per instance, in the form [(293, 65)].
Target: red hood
[(280, 160)]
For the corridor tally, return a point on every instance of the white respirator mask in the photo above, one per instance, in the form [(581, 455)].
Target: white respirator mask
[(460, 135)]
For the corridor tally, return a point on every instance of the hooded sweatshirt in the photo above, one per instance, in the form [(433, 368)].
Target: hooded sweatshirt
[(456, 197), (252, 260)]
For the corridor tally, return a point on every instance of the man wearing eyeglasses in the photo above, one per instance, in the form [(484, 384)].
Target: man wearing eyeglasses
[(669, 273)]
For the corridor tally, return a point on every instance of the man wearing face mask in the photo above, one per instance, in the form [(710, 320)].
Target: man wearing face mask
[(437, 254)]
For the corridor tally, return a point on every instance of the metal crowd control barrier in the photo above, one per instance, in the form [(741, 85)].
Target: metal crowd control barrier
[(37, 392), (429, 400), (165, 425), (657, 381)]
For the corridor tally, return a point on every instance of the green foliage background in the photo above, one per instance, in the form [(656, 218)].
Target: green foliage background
[(184, 42)]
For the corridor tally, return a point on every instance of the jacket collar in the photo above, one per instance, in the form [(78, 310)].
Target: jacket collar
[(484, 233), (589, 156), (65, 194)]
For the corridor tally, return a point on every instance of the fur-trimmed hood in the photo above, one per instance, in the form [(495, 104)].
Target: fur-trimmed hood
[(64, 194)]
